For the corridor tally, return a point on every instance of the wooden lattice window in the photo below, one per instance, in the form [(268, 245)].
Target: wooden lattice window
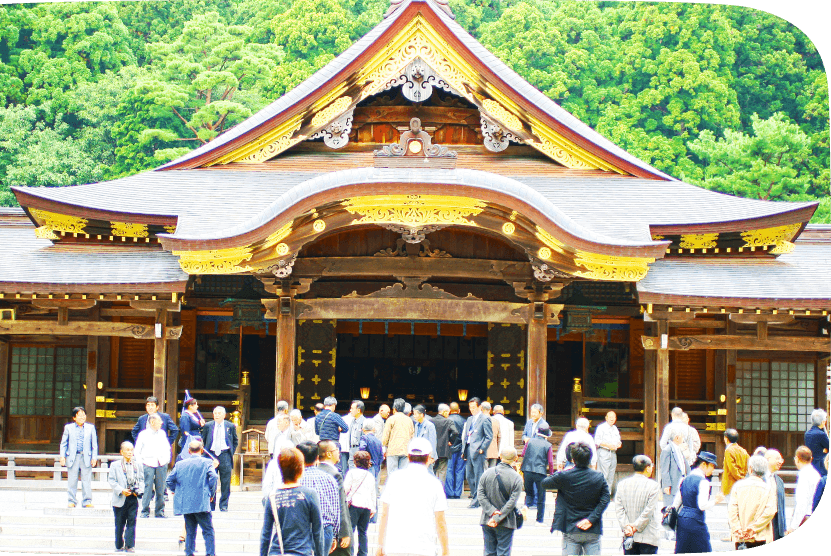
[(46, 380), (775, 395)]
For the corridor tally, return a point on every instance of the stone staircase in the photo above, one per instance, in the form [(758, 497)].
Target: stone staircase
[(38, 522)]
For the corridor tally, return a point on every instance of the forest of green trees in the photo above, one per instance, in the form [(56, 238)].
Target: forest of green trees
[(729, 98)]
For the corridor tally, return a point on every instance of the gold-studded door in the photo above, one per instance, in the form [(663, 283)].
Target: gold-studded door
[(315, 375), (506, 367)]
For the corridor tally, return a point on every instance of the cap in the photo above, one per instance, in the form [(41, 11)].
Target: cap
[(708, 457), (420, 447)]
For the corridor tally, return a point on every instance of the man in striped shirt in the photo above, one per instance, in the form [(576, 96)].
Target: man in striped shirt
[(327, 490)]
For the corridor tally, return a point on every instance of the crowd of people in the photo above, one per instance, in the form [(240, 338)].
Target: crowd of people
[(321, 488)]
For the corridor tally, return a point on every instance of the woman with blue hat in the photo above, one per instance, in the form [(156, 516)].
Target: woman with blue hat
[(191, 423), (692, 534)]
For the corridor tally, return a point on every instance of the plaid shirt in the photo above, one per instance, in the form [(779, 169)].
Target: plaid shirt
[(329, 425), (637, 502), (328, 492)]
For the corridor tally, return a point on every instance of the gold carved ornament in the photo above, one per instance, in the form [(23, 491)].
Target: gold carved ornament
[(59, 222), (417, 39), (125, 229), (780, 237), (551, 243), (45, 232), (698, 241), (612, 268), (218, 261), (414, 211)]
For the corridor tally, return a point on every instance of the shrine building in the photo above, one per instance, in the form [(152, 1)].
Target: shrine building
[(414, 220)]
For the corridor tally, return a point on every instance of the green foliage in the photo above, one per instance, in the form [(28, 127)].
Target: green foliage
[(726, 97), (765, 165)]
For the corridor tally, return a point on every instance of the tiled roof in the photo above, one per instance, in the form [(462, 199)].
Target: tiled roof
[(757, 282), (224, 202), (28, 262)]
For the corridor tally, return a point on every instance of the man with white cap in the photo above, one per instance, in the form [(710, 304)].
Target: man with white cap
[(411, 518)]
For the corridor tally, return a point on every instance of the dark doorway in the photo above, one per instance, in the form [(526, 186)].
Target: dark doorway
[(565, 363), (421, 369), (259, 358)]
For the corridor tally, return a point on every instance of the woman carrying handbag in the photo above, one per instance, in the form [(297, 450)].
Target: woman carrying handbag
[(292, 524), (362, 497)]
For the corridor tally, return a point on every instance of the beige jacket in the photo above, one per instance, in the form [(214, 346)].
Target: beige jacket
[(493, 449), (752, 505), (398, 431)]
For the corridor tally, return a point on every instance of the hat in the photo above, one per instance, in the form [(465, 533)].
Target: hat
[(544, 431), (708, 457), (420, 447)]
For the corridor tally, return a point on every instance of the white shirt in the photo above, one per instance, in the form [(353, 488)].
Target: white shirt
[(576, 436), (506, 431), (343, 439), (271, 433), (273, 478), (359, 486), (806, 486), (704, 501), (606, 434), (152, 448), (413, 496), (309, 427), (218, 442)]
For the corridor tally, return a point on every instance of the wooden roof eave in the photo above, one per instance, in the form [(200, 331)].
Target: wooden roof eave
[(762, 303), (801, 215), (393, 25)]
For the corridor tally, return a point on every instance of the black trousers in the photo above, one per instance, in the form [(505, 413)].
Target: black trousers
[(226, 467), (125, 523)]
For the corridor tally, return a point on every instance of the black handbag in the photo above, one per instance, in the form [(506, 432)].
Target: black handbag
[(520, 519), (669, 518)]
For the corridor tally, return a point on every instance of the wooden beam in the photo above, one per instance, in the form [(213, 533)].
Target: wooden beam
[(156, 305), (172, 378), (762, 330), (160, 361), (414, 309), (735, 342), (662, 380), (316, 267), (286, 348), (708, 324), (4, 381), (669, 316), (537, 361), (74, 304), (650, 360), (752, 318), (85, 328)]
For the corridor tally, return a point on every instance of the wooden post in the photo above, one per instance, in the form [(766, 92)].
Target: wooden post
[(92, 371), (721, 385), (537, 360), (172, 380), (286, 347), (662, 381), (730, 388), (103, 376), (650, 358), (4, 381), (160, 359), (576, 401)]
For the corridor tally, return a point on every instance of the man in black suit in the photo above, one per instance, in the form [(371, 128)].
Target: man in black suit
[(328, 458), (152, 406), (583, 495), (220, 438)]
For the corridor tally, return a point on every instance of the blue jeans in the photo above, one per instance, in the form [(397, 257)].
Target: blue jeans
[(586, 543), (328, 535), (498, 540), (454, 483), (395, 463), (205, 521)]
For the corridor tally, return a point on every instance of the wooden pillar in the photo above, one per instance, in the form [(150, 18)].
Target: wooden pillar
[(662, 380), (576, 401), (92, 372), (537, 374), (172, 371), (104, 377), (160, 359), (286, 347), (730, 387), (720, 391), (650, 358), (4, 388)]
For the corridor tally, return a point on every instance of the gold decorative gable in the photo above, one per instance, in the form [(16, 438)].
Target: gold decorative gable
[(417, 40), (414, 211)]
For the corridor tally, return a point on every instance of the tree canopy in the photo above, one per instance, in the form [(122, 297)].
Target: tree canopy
[(729, 98)]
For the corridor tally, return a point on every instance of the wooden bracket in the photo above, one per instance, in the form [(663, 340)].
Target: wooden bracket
[(156, 305)]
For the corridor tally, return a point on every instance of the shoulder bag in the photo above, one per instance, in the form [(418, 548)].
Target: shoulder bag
[(520, 519), (669, 514), (273, 500)]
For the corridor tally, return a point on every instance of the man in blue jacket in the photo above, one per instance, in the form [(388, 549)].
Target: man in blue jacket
[(193, 483), (582, 497), (79, 453), (152, 406)]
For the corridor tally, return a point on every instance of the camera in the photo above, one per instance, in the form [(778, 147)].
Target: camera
[(134, 490), (741, 546), (628, 542)]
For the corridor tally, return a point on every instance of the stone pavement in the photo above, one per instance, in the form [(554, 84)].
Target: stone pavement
[(38, 522)]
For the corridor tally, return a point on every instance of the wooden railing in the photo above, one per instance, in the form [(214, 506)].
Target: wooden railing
[(120, 406), (37, 465)]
